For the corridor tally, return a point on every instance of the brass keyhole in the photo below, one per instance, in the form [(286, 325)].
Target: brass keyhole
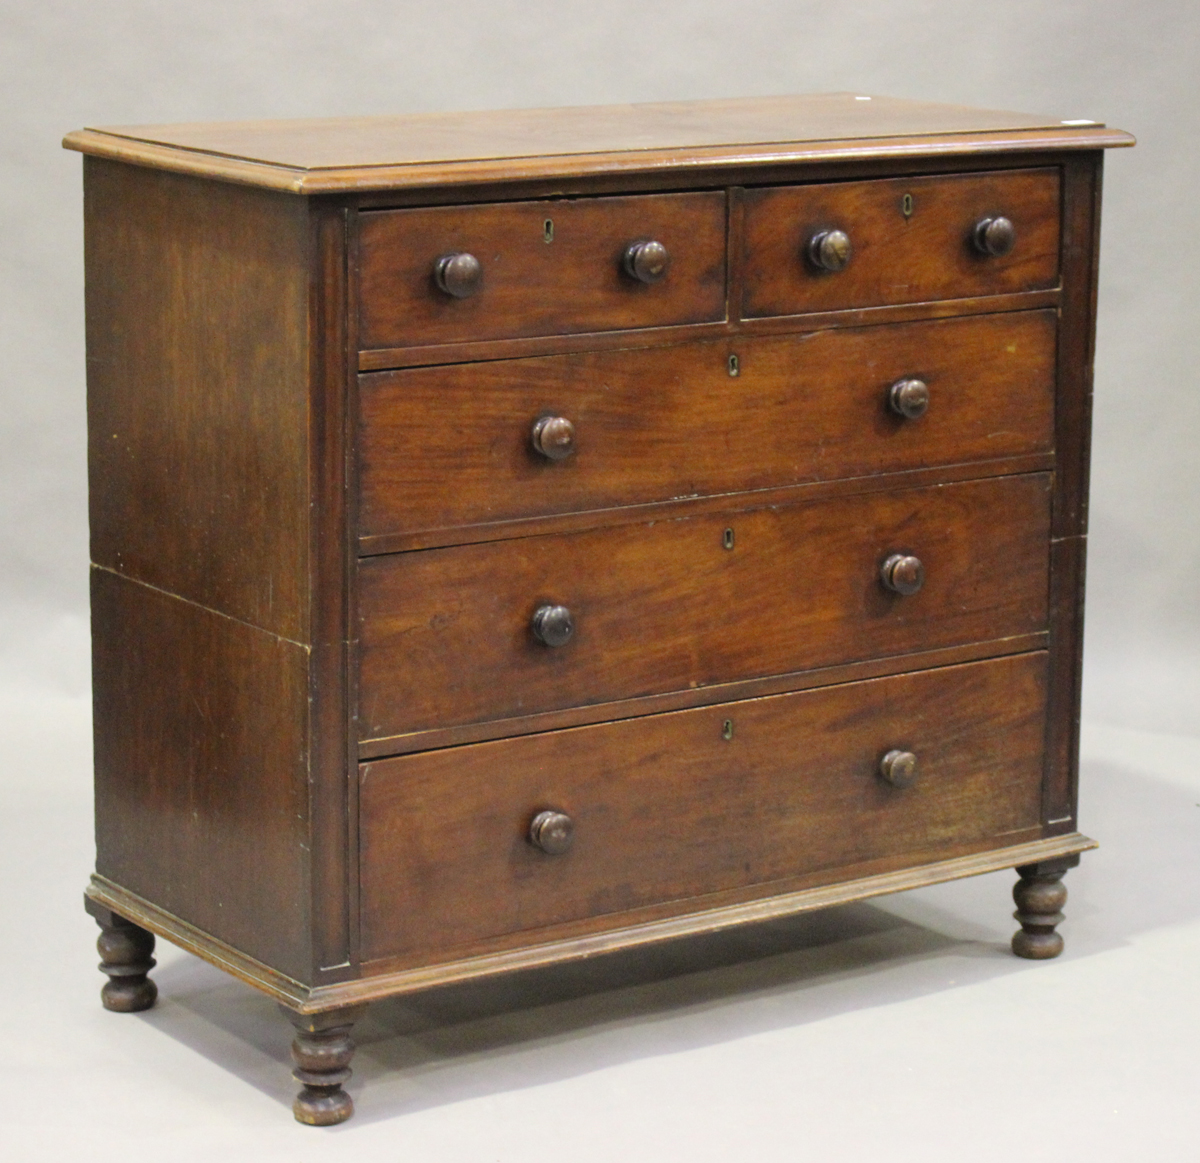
[(734, 367), (727, 539), (727, 730), (548, 230), (906, 205)]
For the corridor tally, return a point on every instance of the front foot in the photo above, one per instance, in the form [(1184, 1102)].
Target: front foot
[(1040, 896), (125, 955), (322, 1050)]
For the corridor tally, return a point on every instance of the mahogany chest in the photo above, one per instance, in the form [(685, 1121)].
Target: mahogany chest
[(519, 536)]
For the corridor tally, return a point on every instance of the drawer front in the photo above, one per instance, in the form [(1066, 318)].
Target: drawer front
[(449, 446), (446, 638), (546, 268), (667, 808), (896, 257)]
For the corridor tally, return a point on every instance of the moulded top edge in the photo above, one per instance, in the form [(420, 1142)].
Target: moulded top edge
[(378, 153)]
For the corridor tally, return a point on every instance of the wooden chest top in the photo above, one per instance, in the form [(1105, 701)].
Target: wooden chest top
[(322, 155)]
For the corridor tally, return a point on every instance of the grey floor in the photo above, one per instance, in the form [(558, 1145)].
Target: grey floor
[(896, 1030)]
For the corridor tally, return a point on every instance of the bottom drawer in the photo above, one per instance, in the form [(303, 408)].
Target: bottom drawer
[(675, 806)]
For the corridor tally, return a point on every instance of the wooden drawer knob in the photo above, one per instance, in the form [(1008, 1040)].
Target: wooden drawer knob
[(553, 437), (909, 398), (899, 768), (829, 250), (903, 573), (552, 832), (460, 275), (994, 236), (553, 625), (646, 261)]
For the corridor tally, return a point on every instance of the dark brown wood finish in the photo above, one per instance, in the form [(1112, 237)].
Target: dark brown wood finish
[(217, 371), (694, 506), (548, 462), (126, 956), (331, 446), (666, 606), (699, 696), (903, 252), (693, 802), (682, 421), (1073, 422), (750, 172), (1040, 896), (596, 936), (435, 151), (201, 768), (322, 1051), (197, 316), (387, 358), (547, 267)]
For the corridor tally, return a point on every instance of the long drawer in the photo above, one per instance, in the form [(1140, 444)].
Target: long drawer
[(679, 805), (911, 240), (450, 446), (447, 636), (542, 268)]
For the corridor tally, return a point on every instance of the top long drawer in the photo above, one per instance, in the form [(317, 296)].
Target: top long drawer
[(447, 447), (449, 274)]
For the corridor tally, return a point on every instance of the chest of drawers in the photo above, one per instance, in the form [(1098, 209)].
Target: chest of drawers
[(522, 536)]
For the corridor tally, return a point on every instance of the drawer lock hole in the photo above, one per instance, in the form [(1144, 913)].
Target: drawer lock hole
[(548, 230), (906, 206), (734, 366), (727, 730), (727, 539)]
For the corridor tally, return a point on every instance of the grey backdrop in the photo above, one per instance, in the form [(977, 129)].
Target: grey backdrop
[(1132, 64), (897, 1030)]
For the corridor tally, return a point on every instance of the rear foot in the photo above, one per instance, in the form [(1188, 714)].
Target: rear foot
[(1040, 896)]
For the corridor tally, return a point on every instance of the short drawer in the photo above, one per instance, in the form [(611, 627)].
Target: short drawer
[(543, 268), (911, 240), (678, 806), (447, 635), (449, 446)]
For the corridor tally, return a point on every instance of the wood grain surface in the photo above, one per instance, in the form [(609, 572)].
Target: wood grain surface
[(667, 806), (202, 768), (671, 422), (1083, 181), (317, 155), (198, 373), (532, 286), (445, 637), (897, 258), (714, 724), (217, 381)]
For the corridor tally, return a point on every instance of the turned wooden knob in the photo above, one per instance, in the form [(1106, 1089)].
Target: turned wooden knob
[(994, 236), (552, 832), (553, 437), (829, 250), (909, 398), (899, 768), (460, 275), (553, 625), (647, 261), (903, 573)]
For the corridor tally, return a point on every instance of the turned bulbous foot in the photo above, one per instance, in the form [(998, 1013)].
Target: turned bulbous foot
[(322, 1050), (126, 956), (1040, 896)]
